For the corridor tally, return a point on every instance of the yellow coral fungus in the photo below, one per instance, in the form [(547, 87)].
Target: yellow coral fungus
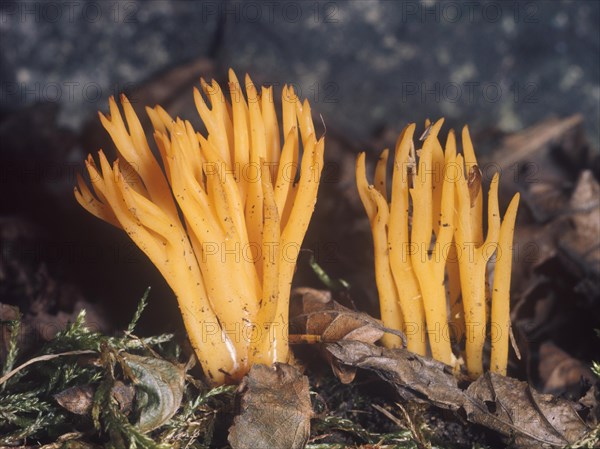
[(220, 215), (426, 268)]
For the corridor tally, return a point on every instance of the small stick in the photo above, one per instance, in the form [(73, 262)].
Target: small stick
[(41, 358)]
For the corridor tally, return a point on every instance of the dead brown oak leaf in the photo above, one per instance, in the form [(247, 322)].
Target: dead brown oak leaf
[(526, 418), (318, 318), (275, 409)]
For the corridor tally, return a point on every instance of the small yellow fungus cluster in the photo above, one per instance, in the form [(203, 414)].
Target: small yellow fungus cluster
[(221, 216), (425, 267)]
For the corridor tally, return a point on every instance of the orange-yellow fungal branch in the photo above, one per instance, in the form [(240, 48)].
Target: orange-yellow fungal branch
[(230, 258), (500, 330), (430, 270), (406, 282), (473, 261), (378, 213), (447, 223)]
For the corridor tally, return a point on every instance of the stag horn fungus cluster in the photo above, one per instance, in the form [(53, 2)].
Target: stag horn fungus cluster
[(432, 274), (221, 216)]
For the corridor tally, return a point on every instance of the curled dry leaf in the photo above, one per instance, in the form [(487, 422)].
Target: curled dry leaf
[(562, 374), (416, 378), (315, 313), (159, 389), (124, 395), (542, 160), (580, 243), (525, 417), (7, 313), (79, 399), (591, 403), (513, 408), (275, 409), (474, 184)]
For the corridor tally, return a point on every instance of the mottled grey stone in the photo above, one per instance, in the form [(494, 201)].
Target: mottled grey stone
[(78, 53), (363, 64), (384, 63)]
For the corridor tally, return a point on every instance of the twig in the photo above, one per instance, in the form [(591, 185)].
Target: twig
[(417, 435), (513, 342), (297, 339), (42, 358), (324, 125)]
